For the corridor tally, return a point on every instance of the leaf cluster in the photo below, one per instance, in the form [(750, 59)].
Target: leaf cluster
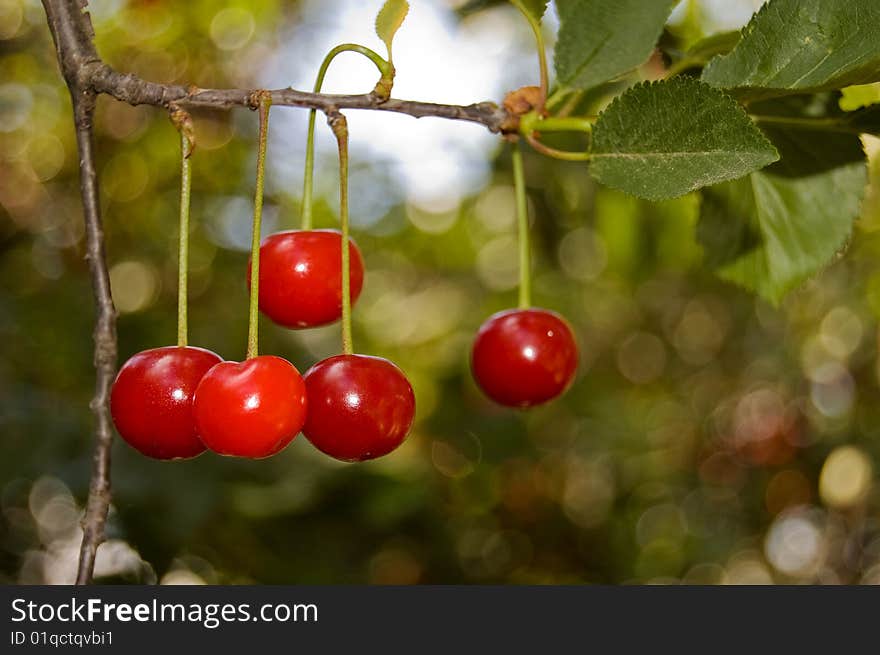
[(766, 124)]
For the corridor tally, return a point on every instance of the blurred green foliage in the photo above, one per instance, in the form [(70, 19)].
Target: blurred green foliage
[(709, 437)]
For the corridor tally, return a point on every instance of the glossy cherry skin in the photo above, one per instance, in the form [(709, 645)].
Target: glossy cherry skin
[(301, 277), (252, 408), (524, 357), (360, 407), (152, 400)]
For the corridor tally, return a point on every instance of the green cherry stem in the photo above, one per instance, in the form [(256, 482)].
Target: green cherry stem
[(265, 102), (542, 52), (183, 122), (532, 122), (339, 125), (522, 219), (183, 242), (564, 155), (386, 70)]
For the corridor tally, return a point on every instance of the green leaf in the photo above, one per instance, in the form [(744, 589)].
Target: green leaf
[(661, 140), (778, 227), (389, 20), (798, 46), (532, 8), (600, 40)]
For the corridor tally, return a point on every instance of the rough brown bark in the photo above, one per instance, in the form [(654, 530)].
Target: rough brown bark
[(81, 64), (87, 76), (74, 46)]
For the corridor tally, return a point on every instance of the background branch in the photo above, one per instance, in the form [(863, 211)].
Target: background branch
[(87, 76), (74, 46)]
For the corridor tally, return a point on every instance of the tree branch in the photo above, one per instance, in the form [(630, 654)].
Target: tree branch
[(72, 29), (136, 91), (105, 343), (74, 46), (87, 76)]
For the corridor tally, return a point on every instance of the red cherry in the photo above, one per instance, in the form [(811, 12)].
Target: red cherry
[(524, 357), (252, 408), (301, 278), (360, 407), (152, 400)]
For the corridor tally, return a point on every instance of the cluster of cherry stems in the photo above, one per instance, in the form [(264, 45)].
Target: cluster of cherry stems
[(175, 402)]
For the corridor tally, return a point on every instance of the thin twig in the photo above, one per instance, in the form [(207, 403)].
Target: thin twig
[(136, 91), (73, 43), (105, 344)]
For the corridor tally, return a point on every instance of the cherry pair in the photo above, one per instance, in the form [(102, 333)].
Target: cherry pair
[(351, 407), (251, 409)]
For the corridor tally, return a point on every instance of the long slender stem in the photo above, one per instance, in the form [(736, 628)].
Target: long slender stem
[(308, 175), (556, 153), (522, 219), (567, 124), (542, 64), (542, 54), (254, 314), (340, 128), (183, 242), (385, 69), (533, 123)]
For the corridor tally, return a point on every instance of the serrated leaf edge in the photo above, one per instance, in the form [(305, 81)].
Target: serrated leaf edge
[(714, 61), (390, 38)]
